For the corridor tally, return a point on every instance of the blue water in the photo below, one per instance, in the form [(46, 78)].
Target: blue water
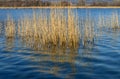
[(98, 61), (19, 13)]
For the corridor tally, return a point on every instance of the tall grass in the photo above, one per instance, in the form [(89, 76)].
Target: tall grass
[(109, 21), (10, 28), (55, 30), (59, 28), (89, 33), (1, 28), (115, 20)]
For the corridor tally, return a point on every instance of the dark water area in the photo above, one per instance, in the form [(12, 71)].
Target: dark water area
[(98, 61)]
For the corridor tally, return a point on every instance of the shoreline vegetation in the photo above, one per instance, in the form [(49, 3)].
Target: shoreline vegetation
[(33, 7)]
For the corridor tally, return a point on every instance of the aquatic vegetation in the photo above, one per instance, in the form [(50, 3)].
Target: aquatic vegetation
[(89, 34), (1, 27), (115, 20), (60, 43), (109, 22), (60, 28), (55, 30), (10, 28)]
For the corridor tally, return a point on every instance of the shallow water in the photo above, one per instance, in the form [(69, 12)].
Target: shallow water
[(98, 61)]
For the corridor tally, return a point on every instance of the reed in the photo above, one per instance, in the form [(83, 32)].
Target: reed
[(55, 30), (115, 20), (89, 33), (110, 21), (0, 28), (74, 33), (59, 28), (10, 28)]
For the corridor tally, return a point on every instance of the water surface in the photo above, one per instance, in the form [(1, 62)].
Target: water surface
[(100, 60)]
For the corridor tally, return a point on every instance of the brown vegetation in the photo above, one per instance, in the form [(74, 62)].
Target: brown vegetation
[(28, 3), (59, 30), (10, 28)]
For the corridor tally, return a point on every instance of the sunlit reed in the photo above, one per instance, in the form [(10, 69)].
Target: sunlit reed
[(109, 21), (10, 28), (59, 28), (115, 20), (1, 28), (55, 30)]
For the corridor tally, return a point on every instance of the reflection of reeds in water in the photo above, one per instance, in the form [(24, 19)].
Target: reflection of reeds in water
[(55, 61), (10, 28), (9, 44), (62, 57)]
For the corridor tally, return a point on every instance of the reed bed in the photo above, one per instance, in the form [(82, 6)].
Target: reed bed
[(59, 28), (55, 30)]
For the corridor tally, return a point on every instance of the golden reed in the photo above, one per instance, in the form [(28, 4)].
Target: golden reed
[(59, 28)]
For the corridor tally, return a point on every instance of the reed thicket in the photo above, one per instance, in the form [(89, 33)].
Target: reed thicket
[(59, 28)]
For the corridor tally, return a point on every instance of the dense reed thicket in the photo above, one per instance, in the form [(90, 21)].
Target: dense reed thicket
[(56, 30), (59, 28)]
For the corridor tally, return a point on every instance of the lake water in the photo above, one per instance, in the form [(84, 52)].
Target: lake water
[(98, 61)]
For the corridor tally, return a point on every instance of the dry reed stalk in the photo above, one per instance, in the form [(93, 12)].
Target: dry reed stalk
[(100, 21), (88, 32), (115, 20), (1, 27), (56, 30), (73, 31), (10, 28)]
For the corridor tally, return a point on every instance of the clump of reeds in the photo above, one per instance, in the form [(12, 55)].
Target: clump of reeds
[(10, 28), (115, 20), (59, 28), (109, 21), (55, 30)]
